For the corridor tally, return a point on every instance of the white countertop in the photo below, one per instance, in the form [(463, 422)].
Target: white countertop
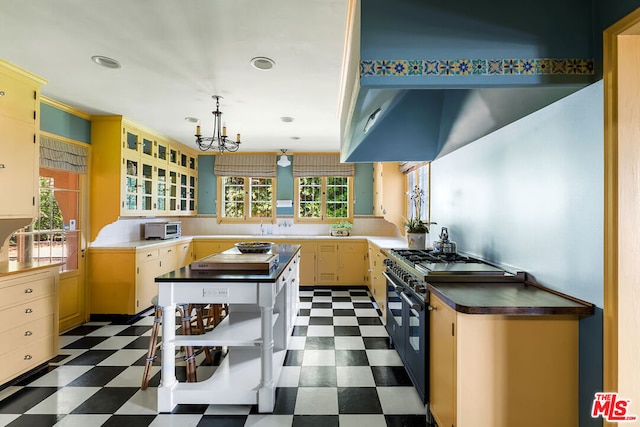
[(381, 241)]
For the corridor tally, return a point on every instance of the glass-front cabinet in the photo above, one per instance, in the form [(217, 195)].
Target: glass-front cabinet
[(144, 177)]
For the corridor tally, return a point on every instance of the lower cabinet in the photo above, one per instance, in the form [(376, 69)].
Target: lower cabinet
[(206, 247), (28, 320), (500, 371), (122, 282), (377, 282), (341, 263)]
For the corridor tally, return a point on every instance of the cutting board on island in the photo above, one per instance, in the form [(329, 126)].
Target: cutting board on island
[(240, 262)]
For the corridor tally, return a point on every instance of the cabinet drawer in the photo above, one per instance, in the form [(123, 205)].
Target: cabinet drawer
[(20, 360), (167, 251), (26, 289), (24, 335), (27, 312), (147, 255), (352, 247)]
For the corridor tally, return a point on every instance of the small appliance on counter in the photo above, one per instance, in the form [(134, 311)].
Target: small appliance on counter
[(444, 245), (162, 230)]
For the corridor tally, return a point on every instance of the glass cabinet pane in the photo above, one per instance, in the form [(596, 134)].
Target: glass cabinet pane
[(147, 146), (132, 141), (173, 156), (162, 152), (192, 163)]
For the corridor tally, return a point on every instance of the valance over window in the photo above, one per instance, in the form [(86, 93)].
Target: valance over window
[(254, 165), (60, 155), (321, 165)]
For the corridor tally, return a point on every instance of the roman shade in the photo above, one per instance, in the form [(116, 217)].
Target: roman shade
[(60, 155), (321, 165), (254, 165)]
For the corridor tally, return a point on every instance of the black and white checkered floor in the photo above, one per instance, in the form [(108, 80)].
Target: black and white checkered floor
[(339, 371)]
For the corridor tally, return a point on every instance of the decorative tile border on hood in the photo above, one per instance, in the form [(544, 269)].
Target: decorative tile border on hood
[(475, 67)]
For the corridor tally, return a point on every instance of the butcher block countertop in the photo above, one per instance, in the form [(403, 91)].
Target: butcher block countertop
[(509, 298), (188, 274)]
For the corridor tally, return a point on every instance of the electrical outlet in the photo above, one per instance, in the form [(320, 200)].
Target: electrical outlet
[(215, 292)]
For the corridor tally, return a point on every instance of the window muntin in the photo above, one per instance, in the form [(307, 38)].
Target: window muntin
[(324, 199), (246, 198), (54, 236)]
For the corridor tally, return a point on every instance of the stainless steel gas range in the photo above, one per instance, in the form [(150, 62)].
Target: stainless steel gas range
[(407, 274)]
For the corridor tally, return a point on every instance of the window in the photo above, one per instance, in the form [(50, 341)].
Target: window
[(246, 198), (418, 177), (324, 199), (54, 235)]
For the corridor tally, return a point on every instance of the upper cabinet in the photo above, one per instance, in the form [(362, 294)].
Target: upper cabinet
[(19, 156), (136, 172), (435, 76)]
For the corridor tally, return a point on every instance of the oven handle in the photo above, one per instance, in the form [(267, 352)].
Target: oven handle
[(393, 283), (413, 305)]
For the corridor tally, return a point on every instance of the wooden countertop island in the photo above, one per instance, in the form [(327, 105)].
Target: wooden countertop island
[(262, 312)]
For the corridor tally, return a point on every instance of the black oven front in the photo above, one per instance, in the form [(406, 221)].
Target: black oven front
[(407, 325)]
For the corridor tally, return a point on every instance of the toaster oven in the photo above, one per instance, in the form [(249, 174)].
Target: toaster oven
[(162, 230)]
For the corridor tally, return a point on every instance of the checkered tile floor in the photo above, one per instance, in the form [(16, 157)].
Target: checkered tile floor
[(339, 371)]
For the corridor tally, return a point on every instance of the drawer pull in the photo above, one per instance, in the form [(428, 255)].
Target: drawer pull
[(170, 250), (28, 310), (2, 93), (27, 357), (148, 255), (28, 291), (28, 333)]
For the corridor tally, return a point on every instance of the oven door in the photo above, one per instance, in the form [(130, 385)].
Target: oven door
[(416, 352), (395, 314)]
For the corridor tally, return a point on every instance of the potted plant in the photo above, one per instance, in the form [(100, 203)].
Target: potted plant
[(342, 228), (417, 229)]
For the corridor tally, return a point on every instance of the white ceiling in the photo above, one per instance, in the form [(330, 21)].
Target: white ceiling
[(176, 54)]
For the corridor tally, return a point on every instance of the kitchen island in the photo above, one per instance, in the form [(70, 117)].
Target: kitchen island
[(262, 311)]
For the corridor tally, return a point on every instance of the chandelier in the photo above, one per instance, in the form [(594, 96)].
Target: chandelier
[(219, 140)]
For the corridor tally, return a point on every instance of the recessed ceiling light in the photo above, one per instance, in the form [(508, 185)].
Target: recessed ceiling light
[(286, 119), (105, 61), (295, 137), (192, 119), (262, 63)]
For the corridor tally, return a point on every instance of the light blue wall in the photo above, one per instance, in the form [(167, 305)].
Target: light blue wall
[(61, 123), (530, 196), (206, 185), (285, 188), (363, 188)]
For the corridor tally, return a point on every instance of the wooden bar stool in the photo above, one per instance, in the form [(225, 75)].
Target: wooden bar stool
[(184, 311)]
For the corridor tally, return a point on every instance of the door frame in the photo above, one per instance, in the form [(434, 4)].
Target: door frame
[(622, 209)]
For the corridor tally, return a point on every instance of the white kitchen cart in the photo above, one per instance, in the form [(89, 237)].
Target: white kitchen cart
[(262, 312)]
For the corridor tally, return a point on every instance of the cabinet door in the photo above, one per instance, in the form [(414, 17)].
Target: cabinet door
[(185, 253), (161, 190), (131, 186), (442, 367), (146, 288), (17, 99), (307, 268), (351, 263), (18, 169), (327, 264)]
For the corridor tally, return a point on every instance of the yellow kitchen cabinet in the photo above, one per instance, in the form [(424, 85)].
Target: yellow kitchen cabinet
[(341, 263), (185, 253), (388, 193), (308, 252), (136, 172), (206, 247), (28, 320), (377, 281), (72, 300), (490, 370), (352, 259), (327, 263), (128, 288), (19, 138)]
